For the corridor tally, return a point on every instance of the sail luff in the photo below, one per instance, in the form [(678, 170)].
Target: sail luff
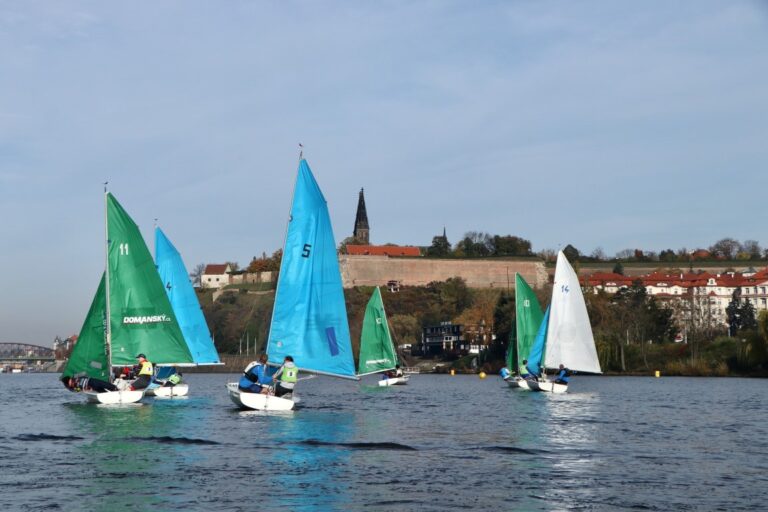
[(569, 341)]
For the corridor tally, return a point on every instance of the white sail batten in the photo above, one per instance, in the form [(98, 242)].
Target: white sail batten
[(569, 339)]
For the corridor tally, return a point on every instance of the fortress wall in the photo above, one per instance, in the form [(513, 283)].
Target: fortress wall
[(377, 270)]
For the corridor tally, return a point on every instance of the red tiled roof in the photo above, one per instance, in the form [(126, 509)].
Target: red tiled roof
[(382, 250), (215, 268), (685, 280)]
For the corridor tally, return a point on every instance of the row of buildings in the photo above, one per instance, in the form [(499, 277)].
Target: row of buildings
[(704, 295)]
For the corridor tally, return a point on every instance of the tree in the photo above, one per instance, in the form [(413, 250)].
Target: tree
[(197, 273), (571, 253), (618, 268), (752, 247), (510, 246), (474, 245), (625, 254), (440, 247), (725, 249), (265, 263), (598, 254), (668, 256)]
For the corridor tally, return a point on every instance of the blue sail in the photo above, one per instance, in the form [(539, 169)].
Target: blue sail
[(537, 351), (309, 320), (185, 305)]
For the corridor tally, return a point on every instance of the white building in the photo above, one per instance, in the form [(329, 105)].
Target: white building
[(215, 275)]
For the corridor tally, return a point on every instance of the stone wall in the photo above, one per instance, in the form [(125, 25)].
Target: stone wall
[(378, 270)]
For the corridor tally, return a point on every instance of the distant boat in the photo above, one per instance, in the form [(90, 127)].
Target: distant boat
[(129, 313), (528, 319), (377, 352), (309, 319), (186, 308), (569, 339)]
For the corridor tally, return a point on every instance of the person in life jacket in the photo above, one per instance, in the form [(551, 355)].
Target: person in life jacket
[(145, 373), (562, 375), (524, 369), (84, 383), (173, 379), (505, 373), (255, 378), (288, 374)]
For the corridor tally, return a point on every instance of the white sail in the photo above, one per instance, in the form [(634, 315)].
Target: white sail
[(569, 337)]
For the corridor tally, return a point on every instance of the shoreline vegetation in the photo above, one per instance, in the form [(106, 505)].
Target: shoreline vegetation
[(634, 334)]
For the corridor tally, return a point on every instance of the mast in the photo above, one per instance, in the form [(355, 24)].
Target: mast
[(285, 239), (108, 325), (516, 369)]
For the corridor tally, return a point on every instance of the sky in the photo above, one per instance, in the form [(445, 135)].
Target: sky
[(600, 124)]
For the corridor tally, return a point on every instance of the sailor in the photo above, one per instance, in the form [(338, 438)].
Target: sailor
[(84, 383), (289, 374), (145, 373), (505, 373), (524, 373), (255, 378), (398, 371), (562, 375), (173, 379)]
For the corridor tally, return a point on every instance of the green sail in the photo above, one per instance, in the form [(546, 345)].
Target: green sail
[(529, 317), (89, 354), (142, 318), (377, 353)]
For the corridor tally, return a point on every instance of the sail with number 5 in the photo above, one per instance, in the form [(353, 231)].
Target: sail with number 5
[(309, 320)]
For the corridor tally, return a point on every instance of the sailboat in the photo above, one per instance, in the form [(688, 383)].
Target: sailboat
[(309, 319), (377, 352), (129, 313), (569, 339), (528, 320), (186, 307)]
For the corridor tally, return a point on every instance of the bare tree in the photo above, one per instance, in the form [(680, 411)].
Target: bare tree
[(726, 248), (197, 273)]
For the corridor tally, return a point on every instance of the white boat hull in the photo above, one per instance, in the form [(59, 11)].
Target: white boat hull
[(114, 397), (397, 381), (257, 401), (518, 383), (169, 391), (548, 386)]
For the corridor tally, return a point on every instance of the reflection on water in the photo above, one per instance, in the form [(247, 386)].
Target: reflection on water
[(439, 443)]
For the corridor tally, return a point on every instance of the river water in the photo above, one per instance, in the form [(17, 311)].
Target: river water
[(440, 443)]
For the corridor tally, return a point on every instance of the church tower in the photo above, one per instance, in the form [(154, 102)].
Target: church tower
[(361, 221)]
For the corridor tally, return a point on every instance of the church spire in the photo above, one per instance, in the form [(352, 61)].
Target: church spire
[(361, 220)]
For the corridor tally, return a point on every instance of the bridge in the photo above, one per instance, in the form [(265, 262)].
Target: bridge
[(21, 356)]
